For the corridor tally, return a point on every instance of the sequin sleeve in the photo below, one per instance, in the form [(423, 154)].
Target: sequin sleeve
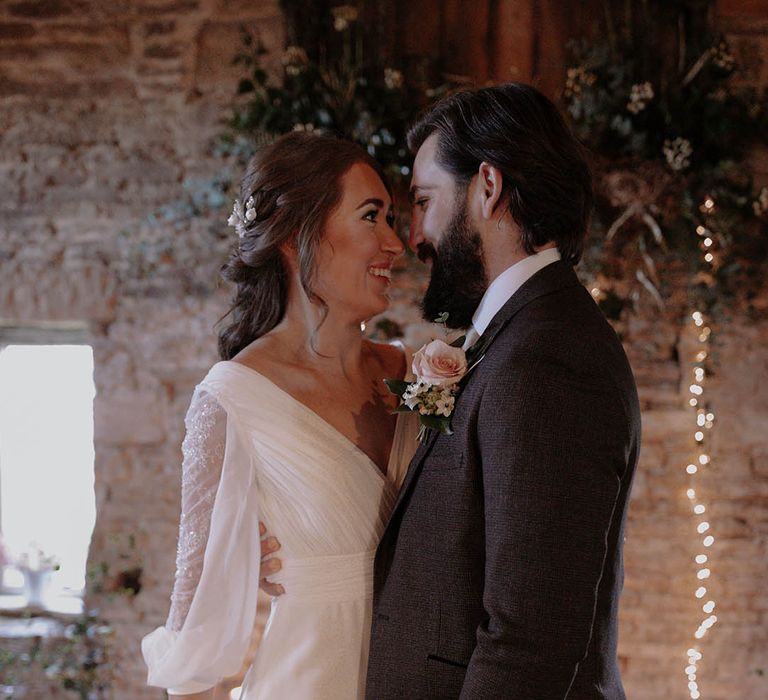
[(203, 454), (215, 592)]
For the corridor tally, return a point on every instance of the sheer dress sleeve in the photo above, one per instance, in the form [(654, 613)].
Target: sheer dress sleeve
[(213, 603), (203, 452)]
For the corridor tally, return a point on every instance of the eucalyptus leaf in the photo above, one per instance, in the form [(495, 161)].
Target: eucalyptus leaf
[(440, 423), (396, 386)]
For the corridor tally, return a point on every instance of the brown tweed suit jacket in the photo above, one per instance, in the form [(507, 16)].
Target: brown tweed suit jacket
[(499, 573)]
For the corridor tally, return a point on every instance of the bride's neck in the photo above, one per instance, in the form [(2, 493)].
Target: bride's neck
[(324, 339)]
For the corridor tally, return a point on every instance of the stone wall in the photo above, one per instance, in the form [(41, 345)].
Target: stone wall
[(106, 109), (660, 612)]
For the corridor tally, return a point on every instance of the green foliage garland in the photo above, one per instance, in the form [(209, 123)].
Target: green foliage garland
[(341, 92), (670, 130)]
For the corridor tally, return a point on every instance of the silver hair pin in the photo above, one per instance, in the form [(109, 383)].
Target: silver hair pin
[(241, 217)]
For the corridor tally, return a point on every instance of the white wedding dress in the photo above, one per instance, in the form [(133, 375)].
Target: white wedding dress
[(252, 452)]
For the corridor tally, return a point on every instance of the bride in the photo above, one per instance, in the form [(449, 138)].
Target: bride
[(293, 427)]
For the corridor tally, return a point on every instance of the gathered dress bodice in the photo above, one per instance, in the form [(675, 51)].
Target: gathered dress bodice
[(254, 452)]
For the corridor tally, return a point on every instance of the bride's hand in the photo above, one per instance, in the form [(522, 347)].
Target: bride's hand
[(269, 565)]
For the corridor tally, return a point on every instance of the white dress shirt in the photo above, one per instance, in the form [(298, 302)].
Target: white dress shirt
[(503, 287)]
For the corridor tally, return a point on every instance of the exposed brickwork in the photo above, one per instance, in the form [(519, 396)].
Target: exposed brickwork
[(106, 108)]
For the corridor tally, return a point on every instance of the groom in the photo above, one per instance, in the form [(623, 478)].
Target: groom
[(500, 570)]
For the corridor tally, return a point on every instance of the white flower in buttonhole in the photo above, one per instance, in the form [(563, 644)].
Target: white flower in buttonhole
[(444, 405), (439, 368), (411, 397), (431, 400)]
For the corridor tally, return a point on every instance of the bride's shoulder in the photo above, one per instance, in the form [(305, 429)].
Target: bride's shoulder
[(394, 357), (254, 358), (224, 378)]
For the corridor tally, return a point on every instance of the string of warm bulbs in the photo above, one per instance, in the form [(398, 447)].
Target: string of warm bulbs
[(704, 421)]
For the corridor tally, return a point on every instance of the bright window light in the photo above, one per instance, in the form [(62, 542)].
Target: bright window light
[(46, 455)]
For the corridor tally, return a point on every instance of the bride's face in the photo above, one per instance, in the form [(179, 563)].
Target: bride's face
[(354, 262)]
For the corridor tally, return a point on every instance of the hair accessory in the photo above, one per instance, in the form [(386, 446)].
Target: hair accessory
[(241, 217)]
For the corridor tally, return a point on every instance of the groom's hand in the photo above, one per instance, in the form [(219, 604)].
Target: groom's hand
[(269, 565)]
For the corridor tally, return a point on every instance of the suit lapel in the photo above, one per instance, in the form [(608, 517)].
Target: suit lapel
[(416, 461), (559, 275)]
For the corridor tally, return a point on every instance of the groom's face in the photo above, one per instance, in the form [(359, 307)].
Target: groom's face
[(442, 235)]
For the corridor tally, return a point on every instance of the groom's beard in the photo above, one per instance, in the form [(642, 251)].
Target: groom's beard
[(458, 280)]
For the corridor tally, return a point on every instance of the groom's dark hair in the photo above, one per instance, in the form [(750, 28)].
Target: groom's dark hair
[(546, 179)]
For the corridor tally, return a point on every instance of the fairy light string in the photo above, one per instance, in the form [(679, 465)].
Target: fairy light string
[(709, 244), (705, 418)]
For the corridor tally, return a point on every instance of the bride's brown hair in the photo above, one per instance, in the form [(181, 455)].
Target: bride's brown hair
[(296, 184)]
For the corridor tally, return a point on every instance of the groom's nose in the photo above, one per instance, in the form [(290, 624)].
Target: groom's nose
[(415, 231)]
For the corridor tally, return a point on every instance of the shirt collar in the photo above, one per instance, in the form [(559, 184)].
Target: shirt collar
[(507, 283)]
